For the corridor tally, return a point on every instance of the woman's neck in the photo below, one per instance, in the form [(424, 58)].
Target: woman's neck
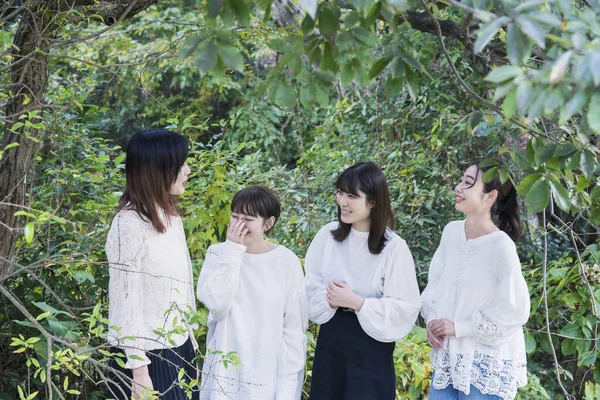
[(259, 246), (477, 225)]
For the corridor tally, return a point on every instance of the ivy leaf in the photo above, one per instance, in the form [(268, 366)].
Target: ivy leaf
[(588, 358), (538, 196), (560, 195)]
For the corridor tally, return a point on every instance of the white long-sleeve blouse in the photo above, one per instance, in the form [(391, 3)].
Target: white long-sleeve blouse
[(258, 310), (478, 284), (150, 286), (387, 281)]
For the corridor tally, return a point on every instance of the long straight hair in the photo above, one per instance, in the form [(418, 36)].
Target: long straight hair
[(506, 208), (153, 160), (368, 178)]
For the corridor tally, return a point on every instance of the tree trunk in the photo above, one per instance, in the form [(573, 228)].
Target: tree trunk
[(30, 79), (29, 71)]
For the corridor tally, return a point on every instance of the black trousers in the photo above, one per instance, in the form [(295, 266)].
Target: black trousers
[(164, 372), (351, 365)]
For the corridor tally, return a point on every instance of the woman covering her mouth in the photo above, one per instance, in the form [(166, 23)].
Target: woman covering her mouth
[(362, 289), (476, 301)]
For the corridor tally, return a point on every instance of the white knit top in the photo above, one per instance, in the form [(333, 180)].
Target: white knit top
[(478, 284), (258, 314), (150, 287), (386, 280)]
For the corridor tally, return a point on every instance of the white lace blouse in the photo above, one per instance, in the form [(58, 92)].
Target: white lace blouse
[(478, 284), (386, 280), (150, 287)]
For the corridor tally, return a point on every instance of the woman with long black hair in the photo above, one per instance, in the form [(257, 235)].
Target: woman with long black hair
[(476, 300), (151, 283), (362, 289)]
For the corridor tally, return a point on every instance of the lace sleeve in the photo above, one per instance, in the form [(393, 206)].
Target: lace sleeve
[(509, 309)]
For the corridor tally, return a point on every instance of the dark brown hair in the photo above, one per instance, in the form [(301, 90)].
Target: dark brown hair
[(257, 201), (506, 208), (154, 159), (368, 178)]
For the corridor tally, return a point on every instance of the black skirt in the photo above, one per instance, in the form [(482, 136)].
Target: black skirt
[(164, 373), (351, 365)]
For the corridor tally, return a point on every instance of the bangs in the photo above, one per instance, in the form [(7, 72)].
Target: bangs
[(245, 206), (349, 182)]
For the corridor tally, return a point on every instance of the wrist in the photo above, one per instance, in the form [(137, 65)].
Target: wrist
[(140, 371), (358, 303)]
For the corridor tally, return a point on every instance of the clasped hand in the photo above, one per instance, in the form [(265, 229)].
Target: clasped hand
[(437, 330), (339, 294)]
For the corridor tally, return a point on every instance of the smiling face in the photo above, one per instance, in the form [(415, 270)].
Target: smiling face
[(178, 187), (470, 197), (355, 209)]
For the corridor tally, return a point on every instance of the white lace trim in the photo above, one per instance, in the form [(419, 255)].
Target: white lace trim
[(489, 375)]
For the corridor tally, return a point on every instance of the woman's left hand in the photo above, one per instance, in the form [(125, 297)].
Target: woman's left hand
[(339, 294), (442, 327)]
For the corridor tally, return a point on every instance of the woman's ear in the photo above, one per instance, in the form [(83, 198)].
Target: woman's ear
[(269, 223), (492, 196)]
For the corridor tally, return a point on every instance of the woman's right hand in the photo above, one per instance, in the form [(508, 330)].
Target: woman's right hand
[(434, 341), (141, 381), (236, 231)]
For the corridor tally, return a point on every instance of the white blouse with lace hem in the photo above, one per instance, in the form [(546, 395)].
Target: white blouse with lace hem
[(478, 284)]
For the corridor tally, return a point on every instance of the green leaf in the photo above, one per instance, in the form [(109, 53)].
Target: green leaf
[(545, 153), (231, 56), (587, 163), (567, 347), (347, 74), (241, 11), (593, 114), (530, 343), (310, 6), (565, 149), (538, 196), (504, 73), (487, 33), (328, 62), (509, 106), (285, 95), (279, 45), (474, 120), (573, 106), (397, 68), (206, 57), (29, 231), (518, 47), (214, 8), (532, 29), (329, 21), (393, 87), (588, 358), (378, 66), (490, 174), (560, 67), (560, 195), (364, 36)]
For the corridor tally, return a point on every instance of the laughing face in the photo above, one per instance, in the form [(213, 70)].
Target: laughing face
[(354, 209), (470, 197)]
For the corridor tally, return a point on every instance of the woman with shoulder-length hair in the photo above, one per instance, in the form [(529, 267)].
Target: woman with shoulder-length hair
[(476, 300), (362, 289), (151, 282)]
